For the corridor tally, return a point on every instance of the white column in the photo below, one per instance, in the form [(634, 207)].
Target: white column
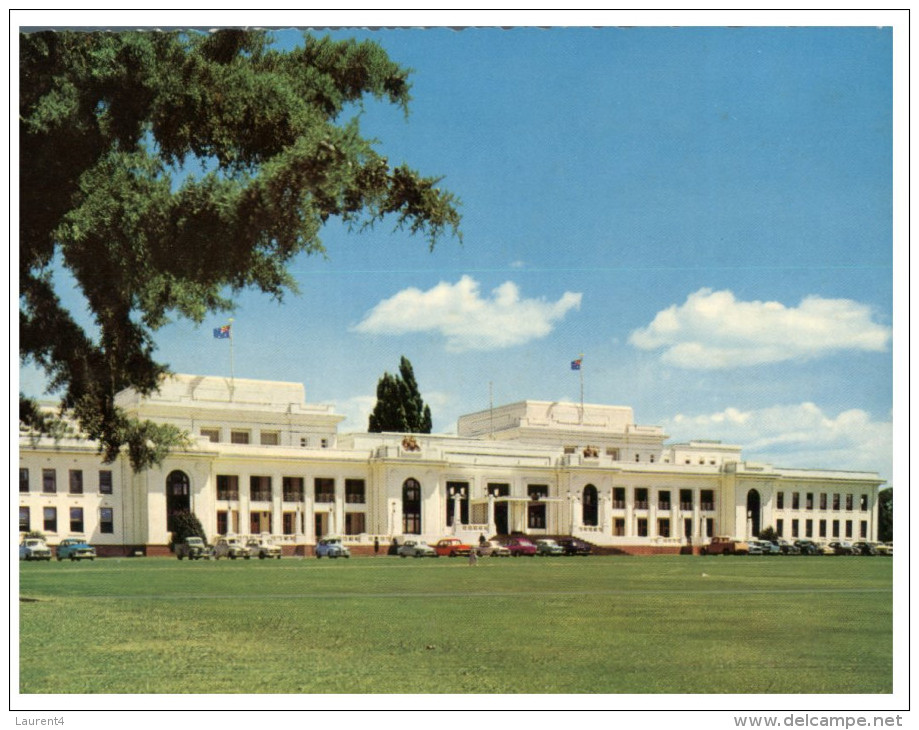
[(652, 513), (456, 512), (606, 514), (698, 530), (629, 511), (491, 514)]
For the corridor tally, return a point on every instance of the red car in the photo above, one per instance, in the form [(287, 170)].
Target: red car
[(452, 546), (520, 546)]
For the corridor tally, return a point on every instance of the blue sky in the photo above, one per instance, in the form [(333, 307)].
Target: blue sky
[(704, 213)]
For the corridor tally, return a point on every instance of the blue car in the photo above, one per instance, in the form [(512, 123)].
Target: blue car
[(75, 549), (332, 547)]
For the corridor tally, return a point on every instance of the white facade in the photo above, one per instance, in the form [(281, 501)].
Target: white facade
[(262, 460)]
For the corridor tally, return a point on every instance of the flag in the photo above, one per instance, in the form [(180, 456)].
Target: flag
[(576, 364), (222, 333)]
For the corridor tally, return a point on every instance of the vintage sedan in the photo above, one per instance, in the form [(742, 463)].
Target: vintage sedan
[(452, 546), (34, 548), (520, 546), (788, 548), (494, 549), (842, 547), (549, 547), (416, 549), (573, 546), (808, 547), (232, 548), (332, 547), (75, 549), (263, 548)]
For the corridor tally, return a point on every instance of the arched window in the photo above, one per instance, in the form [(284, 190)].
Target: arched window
[(411, 507), (178, 499), (589, 506)]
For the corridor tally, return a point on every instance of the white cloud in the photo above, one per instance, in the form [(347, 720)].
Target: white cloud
[(466, 319), (714, 330), (799, 435)]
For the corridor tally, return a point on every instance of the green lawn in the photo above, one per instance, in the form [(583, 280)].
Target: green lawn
[(677, 624)]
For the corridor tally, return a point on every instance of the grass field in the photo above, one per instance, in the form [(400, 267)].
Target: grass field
[(674, 624)]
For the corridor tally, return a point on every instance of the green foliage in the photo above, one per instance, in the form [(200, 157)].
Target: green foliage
[(399, 407), (885, 514), (182, 524), (769, 534), (167, 171)]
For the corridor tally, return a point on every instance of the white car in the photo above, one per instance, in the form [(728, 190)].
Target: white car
[(416, 549), (231, 547), (34, 548), (263, 548)]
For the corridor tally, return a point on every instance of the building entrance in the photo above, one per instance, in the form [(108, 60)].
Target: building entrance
[(178, 497), (501, 508), (753, 511)]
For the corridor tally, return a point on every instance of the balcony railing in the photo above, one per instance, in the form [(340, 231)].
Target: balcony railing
[(289, 496), (663, 505), (618, 504), (686, 506), (641, 504), (354, 498), (708, 506), (260, 496), (325, 497), (228, 495)]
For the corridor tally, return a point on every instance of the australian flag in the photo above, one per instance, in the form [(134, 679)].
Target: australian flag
[(576, 364), (222, 333)]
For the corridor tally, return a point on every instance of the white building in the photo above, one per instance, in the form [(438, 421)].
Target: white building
[(262, 460)]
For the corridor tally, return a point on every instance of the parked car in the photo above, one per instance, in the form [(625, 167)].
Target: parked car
[(520, 546), (332, 547), (494, 549), (263, 548), (452, 546), (842, 547), (788, 548), (754, 547), (767, 547), (865, 548), (573, 546), (549, 547), (417, 549), (808, 547), (725, 545), (884, 548), (34, 548), (232, 548), (76, 549), (193, 548)]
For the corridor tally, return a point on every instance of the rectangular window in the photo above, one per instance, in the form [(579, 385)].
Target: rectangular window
[(227, 487), (641, 499), (324, 489), (354, 493), (23, 480), (836, 503), (808, 528), (663, 527), (822, 526), (863, 529), (292, 489), (48, 481), (270, 438), (239, 437), (823, 500), (794, 528), (25, 520), (223, 522), (709, 526), (849, 502), (76, 519), (809, 500), (618, 497), (863, 502), (259, 522), (780, 500), (686, 500), (461, 490), (619, 527), (613, 454), (642, 527), (289, 522), (354, 523), (707, 497), (50, 519), (260, 489), (835, 528), (795, 500), (687, 528), (663, 500), (105, 481), (848, 528), (780, 527), (212, 435), (536, 511), (76, 481), (569, 449), (106, 520)]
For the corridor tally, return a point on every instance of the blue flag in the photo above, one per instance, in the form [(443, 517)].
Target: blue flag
[(222, 333), (576, 364)]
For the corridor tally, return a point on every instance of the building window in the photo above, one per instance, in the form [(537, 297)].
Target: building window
[(324, 489), (289, 523), (641, 498), (50, 519), (536, 511), (411, 507), (651, 458), (809, 500), (304, 442), (618, 497), (636, 458), (836, 504), (863, 529), (569, 449), (589, 506), (25, 520), (76, 519), (105, 481), (849, 502), (794, 528), (227, 487), (324, 443), (710, 526), (848, 528), (808, 528), (780, 500), (663, 500), (259, 522), (822, 526), (260, 489), (239, 437), (642, 527), (619, 527), (23, 480), (461, 490), (354, 523), (795, 500), (355, 493), (686, 500), (106, 520), (863, 502), (292, 489), (780, 528), (211, 434), (48, 481), (707, 496), (223, 522), (663, 527), (835, 528), (76, 481), (613, 454), (823, 500), (270, 438), (687, 528)]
